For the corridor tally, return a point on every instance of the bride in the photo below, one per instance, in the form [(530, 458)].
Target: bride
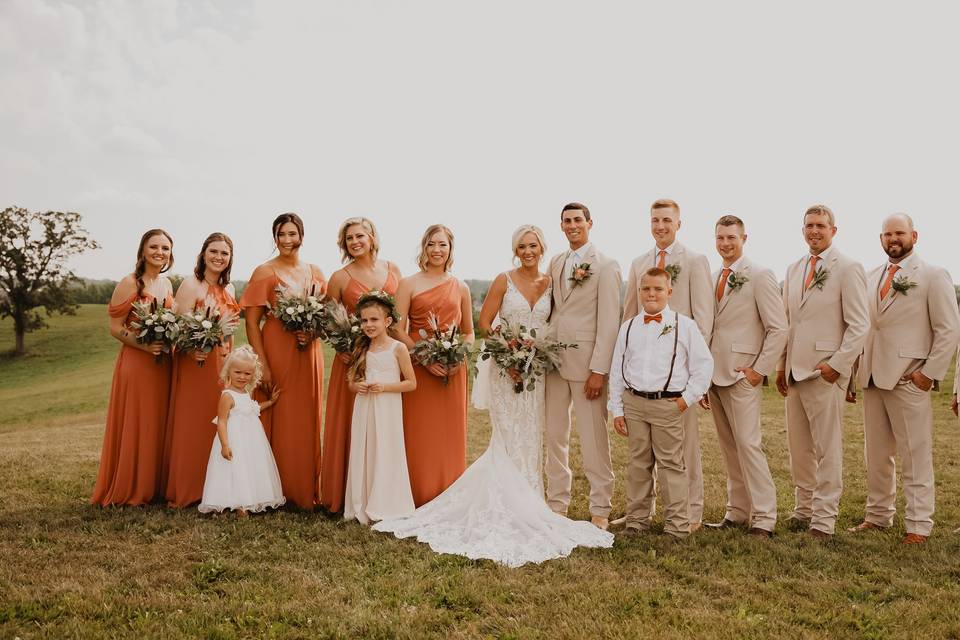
[(496, 510)]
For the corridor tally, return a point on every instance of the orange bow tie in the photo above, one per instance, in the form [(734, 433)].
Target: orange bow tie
[(647, 319)]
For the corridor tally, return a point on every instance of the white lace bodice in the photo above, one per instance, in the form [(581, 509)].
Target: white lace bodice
[(516, 310), (382, 366)]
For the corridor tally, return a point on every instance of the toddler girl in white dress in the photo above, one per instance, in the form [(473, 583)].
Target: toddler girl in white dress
[(378, 485), (241, 474)]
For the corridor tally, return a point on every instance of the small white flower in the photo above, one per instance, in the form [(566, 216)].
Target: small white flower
[(159, 329), (446, 344), (300, 308), (290, 310), (206, 324), (148, 321), (167, 317), (198, 316)]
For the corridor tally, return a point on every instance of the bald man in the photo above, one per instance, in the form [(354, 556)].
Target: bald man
[(914, 330)]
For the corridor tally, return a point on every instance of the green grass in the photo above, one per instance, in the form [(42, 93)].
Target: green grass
[(72, 570)]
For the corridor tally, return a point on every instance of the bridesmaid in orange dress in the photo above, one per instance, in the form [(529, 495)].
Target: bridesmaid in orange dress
[(293, 424), (435, 415), (359, 247), (195, 390), (131, 457)]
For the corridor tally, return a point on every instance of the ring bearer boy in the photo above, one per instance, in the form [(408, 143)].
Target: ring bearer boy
[(661, 367)]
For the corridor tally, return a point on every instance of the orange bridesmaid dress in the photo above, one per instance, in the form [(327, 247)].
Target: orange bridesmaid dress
[(293, 424), (194, 395), (435, 414), (130, 461), (336, 423)]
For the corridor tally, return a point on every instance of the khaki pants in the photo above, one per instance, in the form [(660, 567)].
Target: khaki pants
[(815, 439), (751, 494), (899, 421), (656, 436), (594, 445)]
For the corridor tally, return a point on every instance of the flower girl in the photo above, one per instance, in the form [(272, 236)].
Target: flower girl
[(378, 485), (241, 473)]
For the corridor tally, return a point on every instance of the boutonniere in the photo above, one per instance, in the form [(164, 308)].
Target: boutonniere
[(674, 271), (902, 284), (667, 328), (580, 274), (819, 278), (736, 280)]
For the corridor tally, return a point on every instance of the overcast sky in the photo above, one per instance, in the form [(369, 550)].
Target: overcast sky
[(215, 116)]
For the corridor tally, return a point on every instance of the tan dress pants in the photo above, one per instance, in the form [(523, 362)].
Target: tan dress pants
[(594, 445), (815, 439), (899, 421), (656, 435), (751, 493)]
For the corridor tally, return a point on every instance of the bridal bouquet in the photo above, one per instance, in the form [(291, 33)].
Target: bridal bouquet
[(300, 311), (515, 348), (155, 323), (440, 346), (340, 329), (206, 328)]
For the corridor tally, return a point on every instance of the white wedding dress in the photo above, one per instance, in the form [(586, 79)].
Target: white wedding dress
[(496, 510)]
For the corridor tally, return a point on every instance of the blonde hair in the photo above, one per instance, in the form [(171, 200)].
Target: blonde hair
[(665, 203), (246, 354), (820, 209), (422, 257), (368, 226), (523, 230)]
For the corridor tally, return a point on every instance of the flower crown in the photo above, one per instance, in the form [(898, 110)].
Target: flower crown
[(381, 297)]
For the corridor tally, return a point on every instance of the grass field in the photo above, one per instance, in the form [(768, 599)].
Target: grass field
[(72, 570)]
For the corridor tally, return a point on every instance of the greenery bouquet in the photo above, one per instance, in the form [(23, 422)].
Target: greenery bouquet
[(300, 311), (154, 323), (340, 329), (440, 346), (521, 354), (206, 328)]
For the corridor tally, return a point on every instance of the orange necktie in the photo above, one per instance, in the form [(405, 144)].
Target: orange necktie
[(885, 289), (648, 319), (662, 262), (811, 271), (722, 285)]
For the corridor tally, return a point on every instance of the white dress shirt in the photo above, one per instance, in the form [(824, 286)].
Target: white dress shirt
[(576, 257), (647, 361)]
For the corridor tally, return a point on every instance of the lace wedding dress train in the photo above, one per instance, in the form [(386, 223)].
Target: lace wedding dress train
[(496, 510)]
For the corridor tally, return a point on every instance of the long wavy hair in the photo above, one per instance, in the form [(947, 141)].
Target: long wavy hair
[(422, 258), (141, 267), (358, 358), (201, 269)]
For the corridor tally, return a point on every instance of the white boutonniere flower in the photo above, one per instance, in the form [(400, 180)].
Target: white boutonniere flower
[(674, 271), (903, 284), (736, 280), (667, 329)]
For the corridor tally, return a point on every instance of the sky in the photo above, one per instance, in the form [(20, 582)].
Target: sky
[(206, 116)]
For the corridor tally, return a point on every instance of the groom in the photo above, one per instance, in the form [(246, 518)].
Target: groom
[(586, 311)]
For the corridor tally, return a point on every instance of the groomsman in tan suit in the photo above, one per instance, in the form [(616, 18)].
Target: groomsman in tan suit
[(914, 329), (693, 297), (824, 294), (749, 333), (586, 311)]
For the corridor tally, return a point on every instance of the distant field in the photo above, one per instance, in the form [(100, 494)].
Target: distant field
[(72, 570)]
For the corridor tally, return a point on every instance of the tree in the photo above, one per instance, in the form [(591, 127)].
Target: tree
[(34, 249)]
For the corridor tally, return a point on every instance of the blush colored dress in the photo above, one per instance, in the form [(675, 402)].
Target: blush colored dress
[(293, 424), (194, 394), (132, 453), (378, 485), (336, 424)]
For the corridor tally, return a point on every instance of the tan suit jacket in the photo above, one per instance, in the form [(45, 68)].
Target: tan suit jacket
[(693, 294), (825, 325), (750, 327), (587, 314), (915, 330)]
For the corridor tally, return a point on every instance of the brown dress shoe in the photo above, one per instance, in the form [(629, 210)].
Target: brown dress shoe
[(759, 533), (724, 524), (632, 532), (820, 535), (914, 538), (865, 526), (600, 522)]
